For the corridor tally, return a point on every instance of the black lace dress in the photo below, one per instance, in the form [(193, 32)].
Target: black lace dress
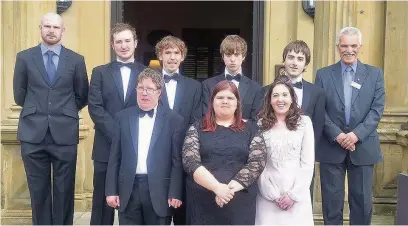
[(228, 155)]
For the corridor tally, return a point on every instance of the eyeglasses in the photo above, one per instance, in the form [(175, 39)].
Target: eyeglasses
[(148, 90)]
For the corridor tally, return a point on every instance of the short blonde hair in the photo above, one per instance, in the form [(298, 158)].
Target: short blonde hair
[(119, 27)]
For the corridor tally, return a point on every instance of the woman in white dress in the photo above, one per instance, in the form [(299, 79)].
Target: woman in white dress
[(284, 195)]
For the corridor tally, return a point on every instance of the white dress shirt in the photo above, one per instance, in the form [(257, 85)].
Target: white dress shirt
[(145, 129), (125, 73), (171, 87), (298, 92), (226, 72)]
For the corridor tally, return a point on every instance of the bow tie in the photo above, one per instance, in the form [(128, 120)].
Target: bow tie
[(237, 77), (143, 113), (121, 64), (298, 85), (167, 78)]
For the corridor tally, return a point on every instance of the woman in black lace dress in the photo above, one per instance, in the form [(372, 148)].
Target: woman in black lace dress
[(223, 155)]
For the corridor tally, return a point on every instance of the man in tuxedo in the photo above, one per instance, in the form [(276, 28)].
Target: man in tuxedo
[(144, 177), (51, 85), (311, 98), (180, 93), (112, 89), (233, 51), (355, 103)]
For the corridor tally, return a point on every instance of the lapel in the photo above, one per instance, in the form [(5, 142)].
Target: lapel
[(62, 62), (38, 59), (131, 85), (117, 78), (158, 125), (134, 126), (180, 93), (164, 98), (243, 87), (307, 89), (338, 81), (360, 76)]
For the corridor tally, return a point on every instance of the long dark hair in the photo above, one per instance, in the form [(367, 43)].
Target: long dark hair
[(267, 114), (209, 124)]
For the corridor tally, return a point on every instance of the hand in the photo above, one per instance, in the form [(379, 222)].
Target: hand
[(224, 193), (219, 202), (235, 186), (175, 203), (340, 138), (277, 201), (113, 201), (349, 140), (286, 202)]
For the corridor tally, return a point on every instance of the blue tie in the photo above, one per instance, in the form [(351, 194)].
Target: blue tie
[(348, 91), (50, 67)]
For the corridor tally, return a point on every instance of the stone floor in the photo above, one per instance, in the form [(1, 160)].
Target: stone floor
[(83, 218)]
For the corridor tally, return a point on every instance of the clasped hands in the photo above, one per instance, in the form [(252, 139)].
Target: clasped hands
[(347, 141), (284, 202), (225, 192)]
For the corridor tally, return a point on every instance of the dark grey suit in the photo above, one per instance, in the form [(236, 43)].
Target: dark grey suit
[(49, 130), (367, 107), (249, 91), (164, 170), (187, 103), (106, 98)]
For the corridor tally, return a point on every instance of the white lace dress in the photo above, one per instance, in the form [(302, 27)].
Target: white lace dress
[(289, 169)]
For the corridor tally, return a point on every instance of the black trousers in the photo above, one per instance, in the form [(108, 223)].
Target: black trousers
[(179, 214), (38, 160), (139, 210), (360, 192), (101, 214)]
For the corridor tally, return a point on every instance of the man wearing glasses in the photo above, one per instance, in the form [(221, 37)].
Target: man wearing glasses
[(144, 176), (112, 89)]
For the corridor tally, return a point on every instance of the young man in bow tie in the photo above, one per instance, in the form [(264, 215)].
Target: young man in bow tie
[(112, 89), (144, 177), (311, 98), (233, 52)]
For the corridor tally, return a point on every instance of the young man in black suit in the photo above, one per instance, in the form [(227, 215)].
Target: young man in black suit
[(233, 51), (144, 177), (180, 93), (112, 89), (51, 85), (311, 98)]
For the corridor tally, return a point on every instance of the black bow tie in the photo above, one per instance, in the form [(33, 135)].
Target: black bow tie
[(143, 113), (121, 64), (167, 78), (298, 85), (237, 77)]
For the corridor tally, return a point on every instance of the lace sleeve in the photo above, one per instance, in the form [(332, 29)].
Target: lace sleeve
[(255, 164), (191, 150)]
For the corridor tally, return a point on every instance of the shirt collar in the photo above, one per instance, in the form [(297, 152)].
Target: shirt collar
[(55, 48), (117, 59), (226, 72), (165, 73), (297, 79), (344, 66)]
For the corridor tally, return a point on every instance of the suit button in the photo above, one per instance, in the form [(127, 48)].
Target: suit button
[(49, 116), (342, 109), (49, 103), (50, 88)]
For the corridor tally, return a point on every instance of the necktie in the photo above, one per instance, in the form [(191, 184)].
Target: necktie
[(348, 91), (149, 113), (121, 64), (167, 78), (50, 67), (298, 85), (237, 77)]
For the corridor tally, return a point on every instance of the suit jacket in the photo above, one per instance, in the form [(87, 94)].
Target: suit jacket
[(106, 98), (164, 169), (367, 107), (313, 103), (47, 105), (249, 91), (187, 101)]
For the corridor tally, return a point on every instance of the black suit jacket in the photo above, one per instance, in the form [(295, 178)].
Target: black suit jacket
[(187, 101), (313, 103), (50, 105), (367, 108), (106, 98), (249, 91), (163, 160)]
